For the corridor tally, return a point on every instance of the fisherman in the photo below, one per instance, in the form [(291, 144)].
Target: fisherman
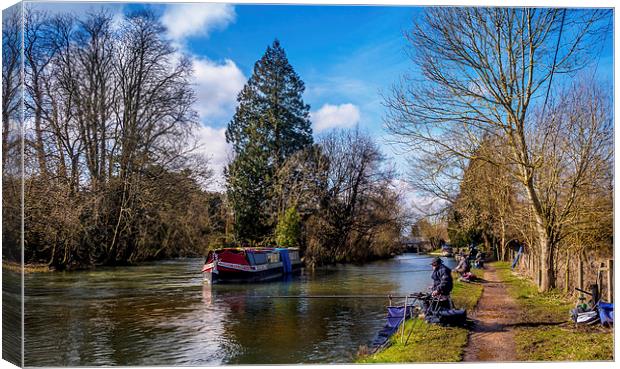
[(479, 262), (473, 252), (463, 266), (442, 282)]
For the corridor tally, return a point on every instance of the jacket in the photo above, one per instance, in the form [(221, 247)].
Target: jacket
[(442, 280)]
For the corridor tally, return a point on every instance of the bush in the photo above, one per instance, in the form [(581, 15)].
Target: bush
[(288, 230)]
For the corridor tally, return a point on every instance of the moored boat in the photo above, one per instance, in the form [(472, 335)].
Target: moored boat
[(239, 265)]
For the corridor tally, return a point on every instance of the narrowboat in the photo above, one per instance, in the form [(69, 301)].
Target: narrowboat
[(240, 265)]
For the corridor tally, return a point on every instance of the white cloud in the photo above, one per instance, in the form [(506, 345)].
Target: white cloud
[(335, 116), (185, 20), (415, 202), (217, 86), (212, 143)]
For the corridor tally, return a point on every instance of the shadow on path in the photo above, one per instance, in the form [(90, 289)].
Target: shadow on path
[(492, 335)]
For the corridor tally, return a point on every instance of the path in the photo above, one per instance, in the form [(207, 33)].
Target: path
[(492, 337)]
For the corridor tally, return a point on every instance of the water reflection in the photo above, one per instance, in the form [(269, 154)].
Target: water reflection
[(163, 314)]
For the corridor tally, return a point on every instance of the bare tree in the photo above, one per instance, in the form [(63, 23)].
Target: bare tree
[(486, 198), (110, 137), (154, 111), (349, 205), (11, 74), (38, 54), (482, 70), (11, 133)]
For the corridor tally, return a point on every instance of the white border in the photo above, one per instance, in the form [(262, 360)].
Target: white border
[(506, 3)]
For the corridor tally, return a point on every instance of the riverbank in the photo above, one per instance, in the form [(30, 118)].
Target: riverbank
[(43, 267), (515, 322), (28, 268), (431, 342), (543, 331)]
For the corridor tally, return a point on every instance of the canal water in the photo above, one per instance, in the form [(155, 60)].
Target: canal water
[(162, 314)]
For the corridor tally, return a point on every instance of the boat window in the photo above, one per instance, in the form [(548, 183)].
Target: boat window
[(274, 257), (259, 258)]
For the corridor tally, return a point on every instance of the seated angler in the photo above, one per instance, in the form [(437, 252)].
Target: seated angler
[(442, 283)]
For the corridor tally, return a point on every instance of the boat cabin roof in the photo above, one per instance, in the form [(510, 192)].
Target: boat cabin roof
[(252, 249)]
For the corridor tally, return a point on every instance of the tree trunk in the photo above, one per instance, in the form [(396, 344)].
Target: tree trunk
[(485, 240), (546, 244), (502, 240), (567, 272), (5, 136), (547, 265), (39, 146)]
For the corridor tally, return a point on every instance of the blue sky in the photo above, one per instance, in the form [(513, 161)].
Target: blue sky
[(346, 55)]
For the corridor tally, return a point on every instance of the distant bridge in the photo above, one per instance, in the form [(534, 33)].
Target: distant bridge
[(417, 244)]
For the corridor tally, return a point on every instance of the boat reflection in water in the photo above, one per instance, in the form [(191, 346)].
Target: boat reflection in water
[(206, 294)]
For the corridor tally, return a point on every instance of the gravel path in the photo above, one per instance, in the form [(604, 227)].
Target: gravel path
[(492, 337)]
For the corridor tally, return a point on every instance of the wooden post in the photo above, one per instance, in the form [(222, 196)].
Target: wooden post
[(402, 335), (599, 277), (610, 280), (566, 273), (580, 273)]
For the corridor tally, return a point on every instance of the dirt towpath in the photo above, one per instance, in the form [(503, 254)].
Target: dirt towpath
[(492, 337)]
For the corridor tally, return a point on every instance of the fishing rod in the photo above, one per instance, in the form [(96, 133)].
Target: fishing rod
[(328, 296), (401, 271), (429, 309), (396, 272)]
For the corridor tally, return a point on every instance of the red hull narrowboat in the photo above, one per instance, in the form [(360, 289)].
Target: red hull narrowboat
[(239, 265)]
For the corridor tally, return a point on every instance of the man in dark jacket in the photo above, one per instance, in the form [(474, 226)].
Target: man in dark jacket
[(442, 279)]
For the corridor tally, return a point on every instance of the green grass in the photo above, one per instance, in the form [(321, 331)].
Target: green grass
[(430, 342), (466, 295), (535, 306), (563, 344), (536, 341)]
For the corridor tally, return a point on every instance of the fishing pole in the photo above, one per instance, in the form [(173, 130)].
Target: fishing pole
[(326, 296), (415, 320), (408, 311), (400, 271), (429, 308)]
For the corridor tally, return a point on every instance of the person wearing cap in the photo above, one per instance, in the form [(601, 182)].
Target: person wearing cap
[(442, 279)]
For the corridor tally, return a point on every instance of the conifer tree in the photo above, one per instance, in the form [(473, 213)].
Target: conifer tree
[(270, 124)]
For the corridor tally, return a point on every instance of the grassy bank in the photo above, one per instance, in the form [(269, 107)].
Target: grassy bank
[(430, 342), (28, 268), (544, 331)]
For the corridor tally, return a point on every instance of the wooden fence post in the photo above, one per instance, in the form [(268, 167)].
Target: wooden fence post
[(610, 280), (580, 273), (566, 273)]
